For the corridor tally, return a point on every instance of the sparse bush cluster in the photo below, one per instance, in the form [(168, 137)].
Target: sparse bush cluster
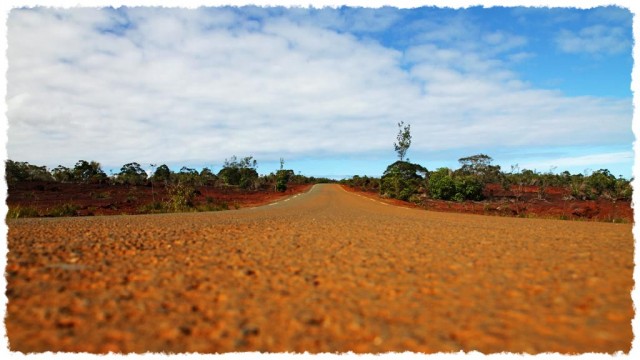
[(412, 182), (402, 180), (407, 181), (180, 189)]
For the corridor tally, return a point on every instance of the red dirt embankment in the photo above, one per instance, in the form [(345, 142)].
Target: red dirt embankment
[(324, 271), (105, 199), (555, 204)]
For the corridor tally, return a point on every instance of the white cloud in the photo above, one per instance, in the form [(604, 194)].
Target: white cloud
[(595, 39), (171, 85)]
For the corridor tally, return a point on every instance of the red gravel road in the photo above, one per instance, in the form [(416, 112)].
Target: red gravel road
[(325, 271)]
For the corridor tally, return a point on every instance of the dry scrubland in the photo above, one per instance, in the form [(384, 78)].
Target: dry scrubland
[(326, 271)]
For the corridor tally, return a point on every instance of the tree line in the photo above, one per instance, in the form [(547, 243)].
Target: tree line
[(236, 172), (413, 182)]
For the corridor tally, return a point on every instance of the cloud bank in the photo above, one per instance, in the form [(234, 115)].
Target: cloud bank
[(197, 86)]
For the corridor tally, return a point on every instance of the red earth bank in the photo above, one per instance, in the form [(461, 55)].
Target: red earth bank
[(105, 199), (555, 203)]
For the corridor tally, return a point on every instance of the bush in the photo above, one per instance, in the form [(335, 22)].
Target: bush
[(181, 197), (468, 188), (132, 174), (23, 171), (239, 172), (281, 185), (401, 180), (64, 210), (155, 207), (89, 172), (441, 185), (16, 212), (623, 189), (601, 182), (444, 186)]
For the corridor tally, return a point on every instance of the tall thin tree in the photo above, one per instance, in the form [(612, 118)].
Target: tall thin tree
[(404, 140)]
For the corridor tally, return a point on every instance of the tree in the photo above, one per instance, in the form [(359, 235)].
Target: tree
[(239, 172), (282, 178), (162, 173), (441, 184), (89, 172), (23, 171), (602, 181), (207, 177), (402, 179), (404, 140), (447, 185), (187, 175), (132, 174), (62, 174)]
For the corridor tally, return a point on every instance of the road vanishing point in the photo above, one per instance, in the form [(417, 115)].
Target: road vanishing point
[(323, 271)]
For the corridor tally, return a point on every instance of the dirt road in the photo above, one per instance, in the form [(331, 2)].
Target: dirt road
[(325, 271)]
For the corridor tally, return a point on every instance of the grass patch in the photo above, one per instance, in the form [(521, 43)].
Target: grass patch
[(156, 207), (64, 210), (209, 206), (17, 212)]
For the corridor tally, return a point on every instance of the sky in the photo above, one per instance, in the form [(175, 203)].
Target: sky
[(548, 89)]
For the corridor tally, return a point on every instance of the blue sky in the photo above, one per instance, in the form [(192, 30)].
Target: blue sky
[(544, 88)]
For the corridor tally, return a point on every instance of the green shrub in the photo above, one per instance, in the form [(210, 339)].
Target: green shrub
[(602, 181), (468, 188), (239, 172), (16, 212), (152, 208), (441, 185), (213, 207), (444, 186), (181, 197), (64, 210), (401, 180), (281, 185)]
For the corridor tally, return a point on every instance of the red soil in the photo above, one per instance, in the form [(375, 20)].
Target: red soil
[(555, 204), (105, 199)]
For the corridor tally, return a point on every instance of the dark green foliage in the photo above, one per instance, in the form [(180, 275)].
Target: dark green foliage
[(132, 174), (364, 183), (441, 184), (62, 174), (17, 212), (468, 188), (89, 172), (623, 189), (181, 197), (187, 176), (240, 173), (23, 171), (281, 186), (479, 166), (64, 210), (207, 177), (162, 173), (155, 207), (601, 182), (402, 179), (212, 205), (447, 185), (282, 178)]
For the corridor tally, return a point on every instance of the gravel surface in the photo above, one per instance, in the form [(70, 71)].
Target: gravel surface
[(325, 271)]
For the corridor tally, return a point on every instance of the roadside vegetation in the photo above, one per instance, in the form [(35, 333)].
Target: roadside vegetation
[(478, 181), (477, 186), (171, 191)]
